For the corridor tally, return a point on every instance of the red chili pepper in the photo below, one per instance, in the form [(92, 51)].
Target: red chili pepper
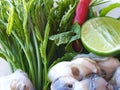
[(81, 14), (81, 11)]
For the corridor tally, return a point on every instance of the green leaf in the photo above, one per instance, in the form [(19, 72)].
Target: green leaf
[(66, 57), (3, 25), (48, 5), (76, 29), (67, 37), (118, 18), (109, 8), (91, 13), (65, 21), (62, 38), (62, 16), (10, 21)]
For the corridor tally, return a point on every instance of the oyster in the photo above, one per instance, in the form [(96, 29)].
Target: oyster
[(94, 82), (16, 81), (78, 68), (108, 67)]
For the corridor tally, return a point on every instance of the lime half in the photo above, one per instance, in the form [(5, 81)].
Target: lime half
[(101, 36)]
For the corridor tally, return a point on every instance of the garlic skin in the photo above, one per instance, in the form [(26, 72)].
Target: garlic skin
[(77, 68), (108, 67), (16, 81)]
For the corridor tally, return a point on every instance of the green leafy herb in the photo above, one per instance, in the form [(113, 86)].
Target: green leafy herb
[(67, 37), (66, 57), (109, 8), (25, 27), (10, 21)]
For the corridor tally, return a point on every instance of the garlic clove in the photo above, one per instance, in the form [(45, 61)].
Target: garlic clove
[(108, 67), (16, 81), (63, 83)]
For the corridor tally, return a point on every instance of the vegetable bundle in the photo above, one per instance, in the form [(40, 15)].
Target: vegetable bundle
[(25, 27)]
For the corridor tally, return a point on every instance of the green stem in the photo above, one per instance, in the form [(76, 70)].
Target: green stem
[(32, 56), (39, 67), (29, 49), (21, 61), (17, 49), (28, 58), (25, 22), (45, 74), (50, 54), (43, 53), (10, 54), (9, 59), (32, 73)]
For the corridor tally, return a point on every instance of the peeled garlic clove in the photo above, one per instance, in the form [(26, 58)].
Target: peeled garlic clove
[(16, 81), (108, 67), (116, 78), (85, 66), (63, 83), (59, 70), (94, 82)]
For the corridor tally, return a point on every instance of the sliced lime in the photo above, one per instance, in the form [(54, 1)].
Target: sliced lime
[(101, 36)]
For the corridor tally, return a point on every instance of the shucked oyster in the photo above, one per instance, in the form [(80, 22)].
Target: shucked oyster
[(107, 64), (63, 83), (77, 68), (94, 82), (16, 81), (116, 78), (108, 67)]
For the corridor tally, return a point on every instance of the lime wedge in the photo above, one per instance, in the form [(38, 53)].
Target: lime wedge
[(101, 36)]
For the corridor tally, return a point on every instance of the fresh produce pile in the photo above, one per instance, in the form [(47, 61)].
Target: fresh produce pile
[(37, 34)]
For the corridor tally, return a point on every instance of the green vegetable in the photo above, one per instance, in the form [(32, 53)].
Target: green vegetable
[(25, 27), (105, 10), (10, 21), (67, 37)]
